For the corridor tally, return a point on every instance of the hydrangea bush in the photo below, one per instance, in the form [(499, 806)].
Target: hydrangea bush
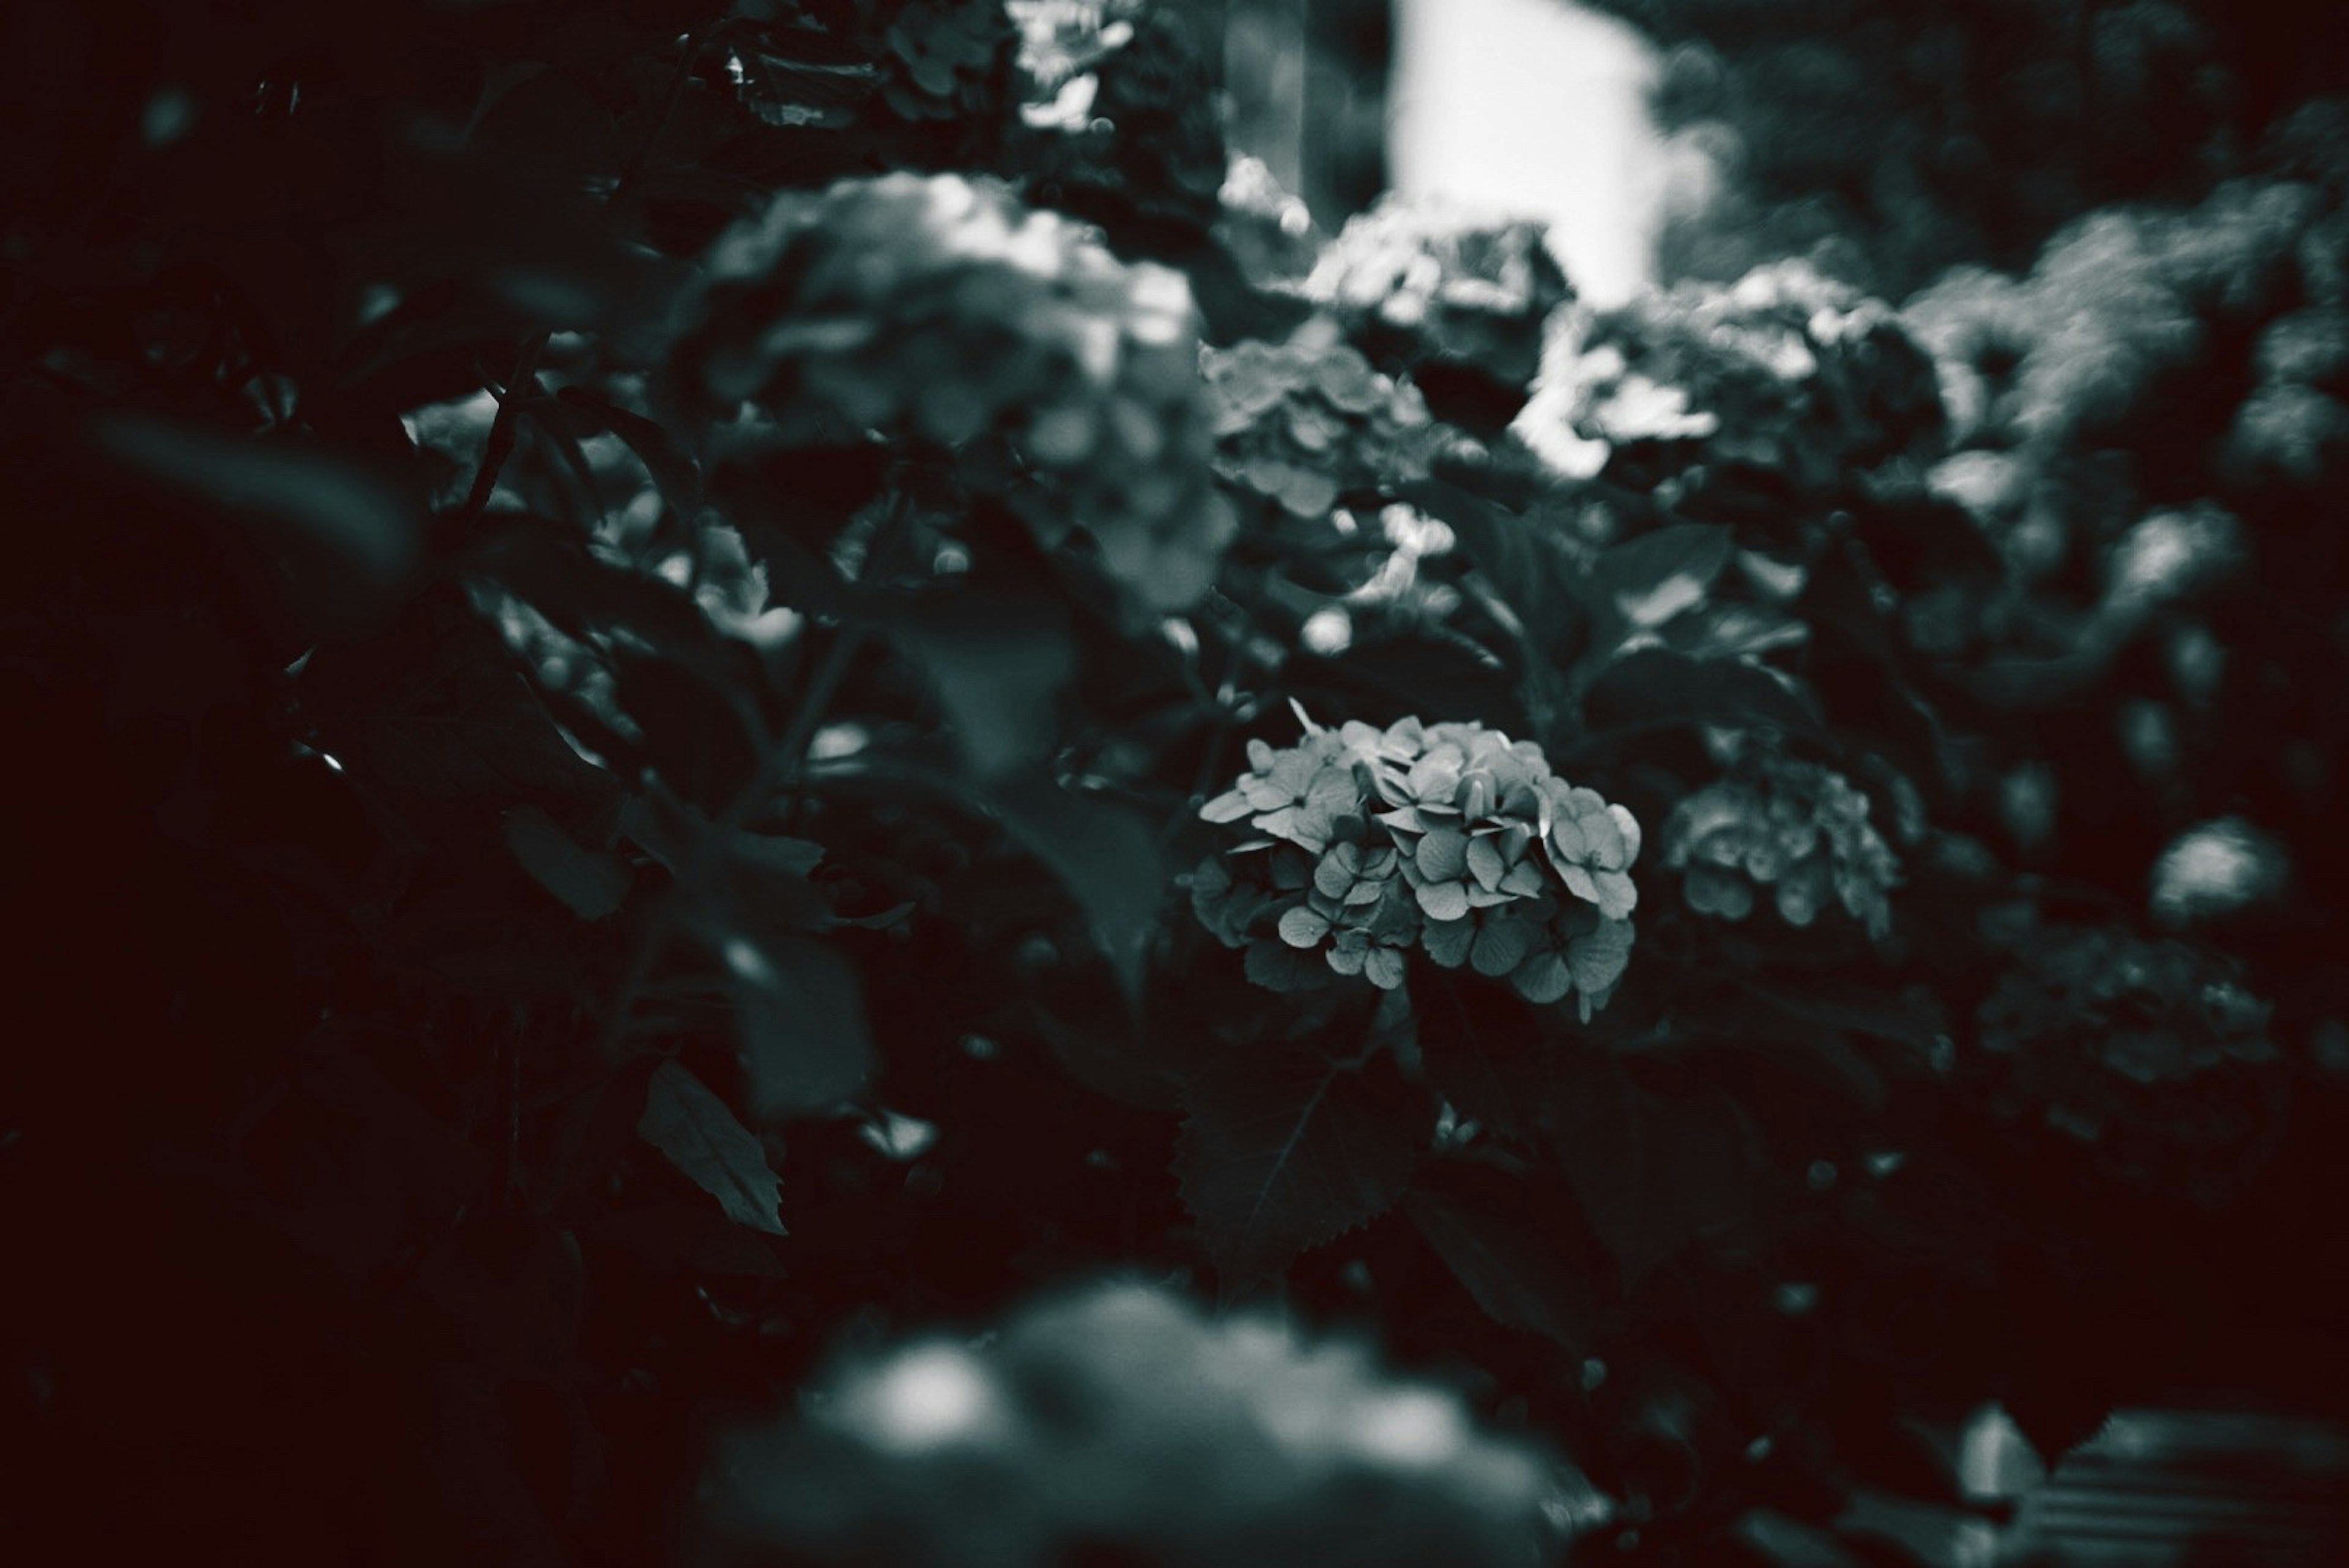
[(675, 681)]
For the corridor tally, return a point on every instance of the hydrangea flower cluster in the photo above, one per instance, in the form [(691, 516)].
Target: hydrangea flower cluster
[(1460, 289), (1448, 838), (1797, 828), (1132, 133), (940, 307), (1304, 422), (1268, 230), (2124, 1042), (1786, 369), (940, 55), (2112, 304), (1056, 1443)]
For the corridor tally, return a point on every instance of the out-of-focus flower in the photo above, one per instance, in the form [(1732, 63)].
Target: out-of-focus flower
[(1304, 422), (2216, 868), (1450, 838), (1459, 287), (1794, 829), (938, 56), (1786, 369), (1120, 1419), (941, 308), (2170, 556), (1268, 230), (2123, 1043)]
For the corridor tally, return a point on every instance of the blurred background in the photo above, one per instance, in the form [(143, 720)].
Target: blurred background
[(1670, 139)]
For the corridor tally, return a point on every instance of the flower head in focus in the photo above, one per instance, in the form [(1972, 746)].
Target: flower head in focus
[(1449, 838)]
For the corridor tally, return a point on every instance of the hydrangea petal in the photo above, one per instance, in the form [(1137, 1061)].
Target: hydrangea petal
[(1443, 900), (1303, 928)]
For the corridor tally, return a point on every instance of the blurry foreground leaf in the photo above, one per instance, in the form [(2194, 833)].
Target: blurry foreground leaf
[(351, 544)]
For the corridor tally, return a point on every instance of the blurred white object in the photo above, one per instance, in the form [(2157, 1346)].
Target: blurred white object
[(2216, 868), (1534, 108)]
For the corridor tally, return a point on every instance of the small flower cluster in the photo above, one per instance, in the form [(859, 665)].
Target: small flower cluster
[(1796, 828), (941, 308), (1304, 422), (1053, 1443), (1462, 290), (1449, 838), (1785, 370), (2137, 1047)]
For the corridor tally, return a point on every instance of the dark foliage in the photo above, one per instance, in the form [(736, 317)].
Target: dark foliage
[(671, 732)]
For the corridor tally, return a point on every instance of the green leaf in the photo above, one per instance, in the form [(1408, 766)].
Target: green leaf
[(1655, 576), (591, 883), (677, 1238), (1654, 1175), (999, 661), (351, 545), (1790, 1543), (793, 94), (548, 566), (1283, 1149), (672, 469), (435, 713), (690, 1124), (1276, 966), (699, 723), (1104, 855), (1856, 1008), (1484, 1051), (1515, 1271), (777, 853), (1653, 686), (800, 1018), (1504, 549)]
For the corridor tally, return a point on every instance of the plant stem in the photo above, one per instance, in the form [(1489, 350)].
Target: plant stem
[(505, 427), (779, 769), (695, 42)]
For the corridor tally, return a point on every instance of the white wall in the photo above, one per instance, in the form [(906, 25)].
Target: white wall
[(1534, 108)]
